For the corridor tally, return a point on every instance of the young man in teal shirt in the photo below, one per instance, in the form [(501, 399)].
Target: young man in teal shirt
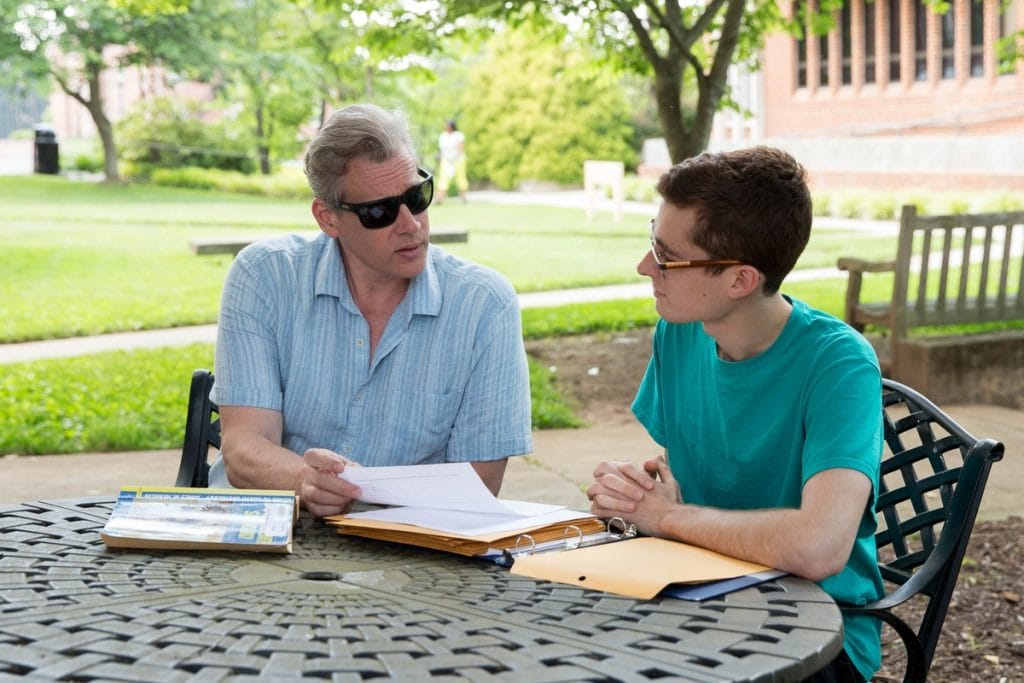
[(769, 410)]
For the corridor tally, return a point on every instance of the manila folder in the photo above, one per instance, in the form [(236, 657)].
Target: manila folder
[(637, 568)]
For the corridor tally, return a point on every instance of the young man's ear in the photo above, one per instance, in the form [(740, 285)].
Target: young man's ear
[(745, 280), (325, 217)]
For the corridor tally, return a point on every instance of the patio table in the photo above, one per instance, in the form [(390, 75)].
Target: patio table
[(349, 609)]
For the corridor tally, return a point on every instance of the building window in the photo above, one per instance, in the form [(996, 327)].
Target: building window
[(894, 40), (948, 60), (977, 38), (869, 42), (846, 42), (823, 60), (920, 41), (1007, 26), (801, 46)]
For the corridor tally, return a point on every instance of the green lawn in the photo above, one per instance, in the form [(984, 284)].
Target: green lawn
[(82, 258)]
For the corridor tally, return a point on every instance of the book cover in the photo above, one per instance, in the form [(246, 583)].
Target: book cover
[(177, 518)]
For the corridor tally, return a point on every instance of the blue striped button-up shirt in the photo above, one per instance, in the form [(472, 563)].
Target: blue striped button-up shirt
[(448, 381)]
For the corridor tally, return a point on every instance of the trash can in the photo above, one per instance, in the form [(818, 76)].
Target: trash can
[(47, 159)]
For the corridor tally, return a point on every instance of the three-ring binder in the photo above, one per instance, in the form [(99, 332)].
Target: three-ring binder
[(616, 529)]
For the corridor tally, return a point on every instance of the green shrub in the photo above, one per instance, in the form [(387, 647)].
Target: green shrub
[(998, 200), (850, 203), (88, 163), (549, 410), (568, 110), (880, 207), (822, 201), (288, 185), (172, 133), (952, 203), (639, 189)]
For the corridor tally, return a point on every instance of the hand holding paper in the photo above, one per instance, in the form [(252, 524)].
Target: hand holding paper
[(447, 501), (447, 486)]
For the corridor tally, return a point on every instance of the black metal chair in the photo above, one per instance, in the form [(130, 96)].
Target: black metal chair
[(932, 480), (202, 430)]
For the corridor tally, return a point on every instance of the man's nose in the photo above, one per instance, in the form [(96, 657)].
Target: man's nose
[(407, 221)]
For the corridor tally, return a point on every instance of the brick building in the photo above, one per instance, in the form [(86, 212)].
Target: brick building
[(123, 87), (896, 95)]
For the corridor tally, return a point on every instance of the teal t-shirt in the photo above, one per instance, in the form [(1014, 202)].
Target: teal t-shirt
[(749, 434)]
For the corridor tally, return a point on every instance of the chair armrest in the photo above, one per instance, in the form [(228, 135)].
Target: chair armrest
[(859, 265)]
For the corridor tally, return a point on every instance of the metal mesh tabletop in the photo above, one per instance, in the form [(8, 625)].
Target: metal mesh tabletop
[(349, 609)]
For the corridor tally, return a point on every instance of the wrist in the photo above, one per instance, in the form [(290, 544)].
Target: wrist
[(674, 523)]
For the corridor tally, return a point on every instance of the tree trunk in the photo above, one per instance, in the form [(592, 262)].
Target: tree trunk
[(712, 85), (684, 138), (94, 104), (668, 88)]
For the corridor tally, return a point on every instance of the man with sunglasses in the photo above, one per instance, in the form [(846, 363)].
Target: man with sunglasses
[(769, 410), (365, 345)]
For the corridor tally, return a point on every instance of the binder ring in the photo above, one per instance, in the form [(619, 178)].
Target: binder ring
[(620, 526), (516, 550), (570, 542)]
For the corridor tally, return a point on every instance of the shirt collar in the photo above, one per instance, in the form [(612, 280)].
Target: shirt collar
[(423, 297)]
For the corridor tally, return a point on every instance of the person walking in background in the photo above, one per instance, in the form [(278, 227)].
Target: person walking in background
[(452, 145), (768, 409)]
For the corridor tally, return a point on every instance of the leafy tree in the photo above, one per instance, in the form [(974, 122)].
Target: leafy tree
[(73, 41), (267, 81), (680, 44), (539, 106)]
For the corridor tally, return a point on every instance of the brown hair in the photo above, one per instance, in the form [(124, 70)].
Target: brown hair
[(752, 205)]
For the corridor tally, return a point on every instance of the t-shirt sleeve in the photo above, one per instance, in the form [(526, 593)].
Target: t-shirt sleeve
[(247, 371), (843, 419), (647, 405)]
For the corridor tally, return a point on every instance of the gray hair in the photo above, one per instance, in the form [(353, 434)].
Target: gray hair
[(357, 131)]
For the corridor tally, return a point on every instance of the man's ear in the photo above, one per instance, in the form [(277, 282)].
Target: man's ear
[(746, 280), (325, 217)]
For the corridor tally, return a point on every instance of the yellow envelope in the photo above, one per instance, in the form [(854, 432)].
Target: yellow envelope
[(637, 568)]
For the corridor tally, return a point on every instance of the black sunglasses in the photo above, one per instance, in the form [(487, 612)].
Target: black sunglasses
[(380, 213)]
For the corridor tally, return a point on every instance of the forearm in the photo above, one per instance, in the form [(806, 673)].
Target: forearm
[(785, 539), (491, 472), (254, 461), (813, 540)]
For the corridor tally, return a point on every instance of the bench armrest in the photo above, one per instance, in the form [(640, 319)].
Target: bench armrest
[(859, 265)]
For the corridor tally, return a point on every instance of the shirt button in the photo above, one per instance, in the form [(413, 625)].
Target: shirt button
[(359, 343), (346, 448), (359, 396)]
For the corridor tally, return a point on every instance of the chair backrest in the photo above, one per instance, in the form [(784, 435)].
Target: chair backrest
[(202, 430), (932, 481)]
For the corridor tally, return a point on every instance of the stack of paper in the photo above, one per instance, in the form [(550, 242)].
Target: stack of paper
[(447, 507)]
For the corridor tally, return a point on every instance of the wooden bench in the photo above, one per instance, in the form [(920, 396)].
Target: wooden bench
[(233, 245), (949, 270)]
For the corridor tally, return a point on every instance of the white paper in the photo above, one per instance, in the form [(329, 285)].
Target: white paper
[(521, 515), (446, 486), (449, 497)]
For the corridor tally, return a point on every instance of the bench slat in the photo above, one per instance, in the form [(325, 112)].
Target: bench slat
[(233, 245)]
